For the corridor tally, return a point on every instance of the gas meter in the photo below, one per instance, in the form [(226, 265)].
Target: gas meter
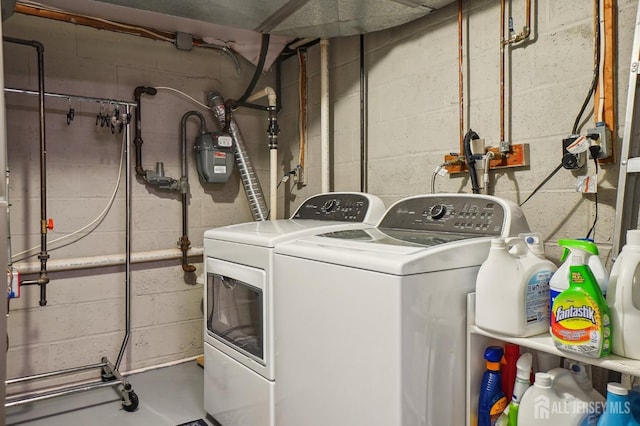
[(214, 157)]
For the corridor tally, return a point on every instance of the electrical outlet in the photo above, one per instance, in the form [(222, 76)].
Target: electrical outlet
[(572, 161), (604, 139)]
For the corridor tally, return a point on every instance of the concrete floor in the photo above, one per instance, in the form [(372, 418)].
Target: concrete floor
[(168, 396)]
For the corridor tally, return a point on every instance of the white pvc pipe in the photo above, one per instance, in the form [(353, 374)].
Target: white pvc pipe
[(273, 154), (273, 184), (107, 260), (324, 115)]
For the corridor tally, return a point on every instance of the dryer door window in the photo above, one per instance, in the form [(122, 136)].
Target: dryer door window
[(235, 313)]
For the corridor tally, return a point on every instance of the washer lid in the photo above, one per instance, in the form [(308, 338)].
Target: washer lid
[(270, 232), (395, 252)]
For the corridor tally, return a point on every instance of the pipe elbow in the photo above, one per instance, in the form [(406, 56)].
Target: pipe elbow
[(269, 92), (140, 171), (188, 268)]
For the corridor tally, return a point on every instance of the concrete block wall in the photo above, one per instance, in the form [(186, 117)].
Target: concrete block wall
[(84, 317), (413, 119)]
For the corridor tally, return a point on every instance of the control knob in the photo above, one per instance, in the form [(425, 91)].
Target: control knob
[(329, 205), (437, 212)]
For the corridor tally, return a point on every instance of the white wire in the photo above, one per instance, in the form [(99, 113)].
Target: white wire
[(94, 221), (171, 89)]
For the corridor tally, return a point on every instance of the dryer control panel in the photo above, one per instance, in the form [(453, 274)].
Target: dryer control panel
[(469, 214), (343, 207)]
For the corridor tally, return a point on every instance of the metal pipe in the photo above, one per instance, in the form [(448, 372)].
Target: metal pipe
[(460, 78), (43, 278), (137, 94), (127, 256), (523, 35), (502, 45), (364, 164), (69, 97), (41, 396), (184, 187), (53, 373), (324, 116), (79, 263), (248, 175)]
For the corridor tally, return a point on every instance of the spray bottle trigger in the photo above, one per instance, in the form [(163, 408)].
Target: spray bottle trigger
[(565, 254)]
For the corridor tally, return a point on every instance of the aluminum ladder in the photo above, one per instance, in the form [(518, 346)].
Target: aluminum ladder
[(628, 193)]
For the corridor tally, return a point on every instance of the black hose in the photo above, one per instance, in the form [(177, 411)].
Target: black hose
[(471, 162), (264, 48), (137, 93)]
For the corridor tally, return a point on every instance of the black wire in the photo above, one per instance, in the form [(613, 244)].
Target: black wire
[(594, 154), (596, 68), (542, 183)]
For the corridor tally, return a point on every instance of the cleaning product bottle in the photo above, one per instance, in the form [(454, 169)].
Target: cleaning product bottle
[(587, 402), (539, 403), (512, 289), (492, 401), (581, 377), (634, 398), (509, 368), (617, 411), (624, 298), (580, 320), (522, 383), (560, 279)]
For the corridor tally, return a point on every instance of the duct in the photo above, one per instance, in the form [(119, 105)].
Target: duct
[(248, 176), (290, 18)]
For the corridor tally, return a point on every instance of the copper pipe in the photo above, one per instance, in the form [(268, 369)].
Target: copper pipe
[(524, 35), (502, 44), (460, 77)]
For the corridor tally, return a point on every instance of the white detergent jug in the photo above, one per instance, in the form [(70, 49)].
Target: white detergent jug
[(623, 298), (556, 399), (512, 289)]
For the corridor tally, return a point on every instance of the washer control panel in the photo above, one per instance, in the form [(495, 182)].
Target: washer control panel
[(343, 207), (448, 213)]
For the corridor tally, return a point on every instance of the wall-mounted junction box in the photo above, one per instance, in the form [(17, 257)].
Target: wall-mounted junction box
[(604, 140)]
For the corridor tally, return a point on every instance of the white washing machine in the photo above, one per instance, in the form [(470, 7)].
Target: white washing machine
[(372, 322), (239, 325)]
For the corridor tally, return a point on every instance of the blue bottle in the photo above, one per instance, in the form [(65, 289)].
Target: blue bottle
[(617, 410), (492, 401)]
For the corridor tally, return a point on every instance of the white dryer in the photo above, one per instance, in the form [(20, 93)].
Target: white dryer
[(371, 322), (239, 326)]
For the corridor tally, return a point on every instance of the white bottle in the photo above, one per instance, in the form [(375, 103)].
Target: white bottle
[(542, 405), (512, 290), (560, 280), (624, 298), (588, 401)]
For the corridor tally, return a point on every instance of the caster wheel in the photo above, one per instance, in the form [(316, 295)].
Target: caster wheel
[(133, 402)]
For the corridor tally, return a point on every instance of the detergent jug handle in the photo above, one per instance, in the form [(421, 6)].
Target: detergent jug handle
[(517, 246)]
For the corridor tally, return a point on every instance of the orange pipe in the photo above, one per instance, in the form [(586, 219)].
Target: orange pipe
[(460, 77)]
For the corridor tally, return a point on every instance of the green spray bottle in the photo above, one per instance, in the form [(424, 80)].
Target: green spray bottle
[(580, 321)]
